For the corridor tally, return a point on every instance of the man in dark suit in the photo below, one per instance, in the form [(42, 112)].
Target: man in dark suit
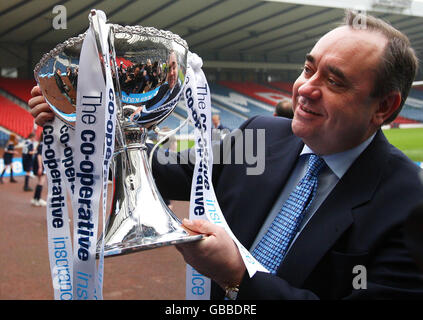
[(219, 131), (216, 122), (349, 243)]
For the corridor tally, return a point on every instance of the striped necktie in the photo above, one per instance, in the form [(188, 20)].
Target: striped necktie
[(272, 248)]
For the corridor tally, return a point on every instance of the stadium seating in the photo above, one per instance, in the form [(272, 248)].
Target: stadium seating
[(284, 86), (229, 119), (176, 119), (402, 120), (234, 101), (413, 107), (238, 103), (256, 91), (20, 88), (417, 92), (14, 118)]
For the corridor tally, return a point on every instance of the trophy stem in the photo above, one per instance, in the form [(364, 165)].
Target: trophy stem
[(139, 218)]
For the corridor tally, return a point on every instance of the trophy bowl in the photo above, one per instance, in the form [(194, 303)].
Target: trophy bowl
[(148, 72)]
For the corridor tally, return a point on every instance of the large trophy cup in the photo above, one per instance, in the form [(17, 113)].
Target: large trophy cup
[(148, 67)]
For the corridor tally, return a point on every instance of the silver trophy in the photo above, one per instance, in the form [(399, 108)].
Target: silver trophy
[(148, 67)]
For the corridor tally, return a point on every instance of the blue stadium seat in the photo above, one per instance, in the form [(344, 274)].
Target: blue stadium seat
[(413, 107), (237, 102)]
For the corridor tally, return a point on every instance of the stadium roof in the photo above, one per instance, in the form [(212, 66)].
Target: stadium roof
[(267, 34)]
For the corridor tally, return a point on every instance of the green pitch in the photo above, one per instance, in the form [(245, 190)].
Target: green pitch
[(409, 141), (185, 144)]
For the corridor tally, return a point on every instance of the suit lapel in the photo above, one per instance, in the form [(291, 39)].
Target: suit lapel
[(334, 216), (258, 198)]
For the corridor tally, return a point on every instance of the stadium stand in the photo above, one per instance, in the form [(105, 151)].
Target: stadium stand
[(19, 88), (284, 86), (412, 111), (403, 120), (417, 93), (171, 122), (238, 102), (229, 118), (176, 119), (15, 119), (233, 101), (256, 91), (233, 106)]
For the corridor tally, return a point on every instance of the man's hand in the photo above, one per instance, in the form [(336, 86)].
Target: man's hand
[(137, 111), (216, 256), (40, 110)]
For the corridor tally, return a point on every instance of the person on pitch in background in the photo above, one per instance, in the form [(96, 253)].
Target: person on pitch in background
[(8, 155), (219, 130), (28, 152), (334, 193), (216, 122)]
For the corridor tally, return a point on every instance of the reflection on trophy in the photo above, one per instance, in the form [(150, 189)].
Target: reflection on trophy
[(148, 70)]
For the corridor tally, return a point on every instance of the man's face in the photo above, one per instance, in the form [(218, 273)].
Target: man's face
[(215, 120), (333, 110), (172, 74)]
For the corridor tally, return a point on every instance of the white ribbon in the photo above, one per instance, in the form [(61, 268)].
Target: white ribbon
[(95, 112), (203, 201), (58, 162), (80, 160)]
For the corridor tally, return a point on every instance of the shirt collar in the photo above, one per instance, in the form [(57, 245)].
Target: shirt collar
[(340, 162)]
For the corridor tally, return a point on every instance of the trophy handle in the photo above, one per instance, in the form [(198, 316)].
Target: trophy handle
[(166, 136)]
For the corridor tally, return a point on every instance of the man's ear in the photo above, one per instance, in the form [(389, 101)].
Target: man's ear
[(386, 107)]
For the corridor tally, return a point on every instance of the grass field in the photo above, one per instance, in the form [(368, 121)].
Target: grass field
[(409, 141), (186, 144)]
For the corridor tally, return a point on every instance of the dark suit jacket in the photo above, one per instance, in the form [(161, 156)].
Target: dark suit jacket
[(359, 223), (221, 127)]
